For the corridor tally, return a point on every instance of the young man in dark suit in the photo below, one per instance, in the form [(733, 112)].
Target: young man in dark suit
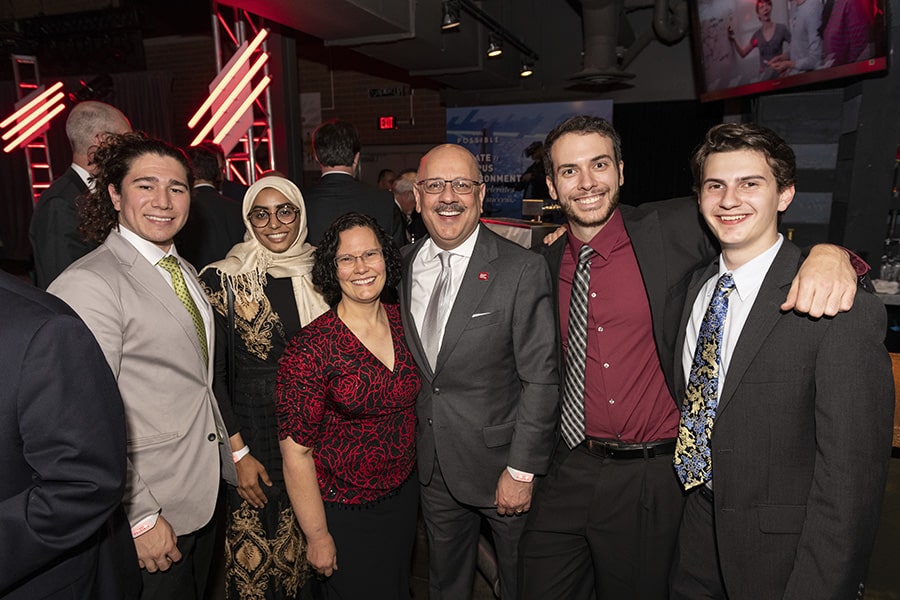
[(785, 430)]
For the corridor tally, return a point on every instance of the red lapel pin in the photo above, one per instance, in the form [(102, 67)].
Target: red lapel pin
[(483, 276)]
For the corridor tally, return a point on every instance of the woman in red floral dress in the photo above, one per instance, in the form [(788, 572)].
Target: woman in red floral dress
[(345, 401)]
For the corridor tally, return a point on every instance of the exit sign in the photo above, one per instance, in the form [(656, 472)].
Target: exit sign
[(386, 122)]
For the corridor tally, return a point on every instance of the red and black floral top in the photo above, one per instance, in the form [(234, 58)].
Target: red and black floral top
[(336, 397)]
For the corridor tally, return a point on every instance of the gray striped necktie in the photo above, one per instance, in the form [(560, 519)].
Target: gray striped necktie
[(432, 321), (573, 387)]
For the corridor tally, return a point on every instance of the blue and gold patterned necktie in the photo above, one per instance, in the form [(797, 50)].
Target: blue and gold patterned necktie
[(170, 264), (693, 460)]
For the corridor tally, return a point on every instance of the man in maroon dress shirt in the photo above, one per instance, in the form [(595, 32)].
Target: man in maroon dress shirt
[(604, 521)]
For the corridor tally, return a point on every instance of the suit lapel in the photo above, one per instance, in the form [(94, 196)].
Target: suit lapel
[(647, 243), (475, 283), (409, 324), (763, 316), (156, 286)]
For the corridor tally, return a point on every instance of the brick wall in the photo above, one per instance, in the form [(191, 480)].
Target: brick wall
[(351, 101)]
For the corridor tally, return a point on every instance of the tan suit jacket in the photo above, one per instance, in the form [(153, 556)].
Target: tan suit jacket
[(177, 442)]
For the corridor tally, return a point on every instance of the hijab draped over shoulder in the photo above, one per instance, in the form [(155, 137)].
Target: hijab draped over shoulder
[(246, 265)]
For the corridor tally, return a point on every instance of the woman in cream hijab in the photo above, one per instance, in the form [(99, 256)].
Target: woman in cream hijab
[(262, 294)]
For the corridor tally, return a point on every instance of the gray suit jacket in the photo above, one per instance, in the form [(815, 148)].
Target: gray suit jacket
[(801, 444), (177, 444), (492, 399)]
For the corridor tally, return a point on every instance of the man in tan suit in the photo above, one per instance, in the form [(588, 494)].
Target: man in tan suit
[(145, 307)]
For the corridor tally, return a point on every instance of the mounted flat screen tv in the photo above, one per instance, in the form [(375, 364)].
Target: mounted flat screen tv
[(747, 47)]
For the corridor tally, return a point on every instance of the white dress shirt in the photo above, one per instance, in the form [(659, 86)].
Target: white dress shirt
[(154, 254), (748, 279), (426, 268)]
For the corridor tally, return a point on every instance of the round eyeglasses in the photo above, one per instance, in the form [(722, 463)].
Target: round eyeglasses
[(285, 213), (459, 185), (370, 258)]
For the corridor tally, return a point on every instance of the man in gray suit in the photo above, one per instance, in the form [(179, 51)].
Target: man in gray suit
[(54, 235), (479, 320), (785, 432), (145, 306)]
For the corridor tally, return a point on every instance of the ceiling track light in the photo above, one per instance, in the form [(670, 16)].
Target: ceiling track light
[(527, 69), (449, 15), (495, 46)]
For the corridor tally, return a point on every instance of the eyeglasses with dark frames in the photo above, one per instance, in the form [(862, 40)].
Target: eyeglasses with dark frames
[(285, 213), (369, 257), (460, 185)]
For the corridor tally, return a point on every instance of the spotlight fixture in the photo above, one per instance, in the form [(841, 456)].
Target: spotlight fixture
[(495, 46), (450, 15), (527, 69)]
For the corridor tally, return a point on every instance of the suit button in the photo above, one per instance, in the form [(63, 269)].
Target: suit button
[(436, 391), (429, 422), (211, 437)]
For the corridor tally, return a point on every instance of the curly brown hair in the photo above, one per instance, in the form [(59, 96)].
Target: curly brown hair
[(324, 273), (113, 159)]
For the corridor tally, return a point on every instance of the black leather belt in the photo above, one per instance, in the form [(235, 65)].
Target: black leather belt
[(619, 451)]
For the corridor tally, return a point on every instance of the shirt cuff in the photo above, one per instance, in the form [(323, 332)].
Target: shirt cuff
[(144, 525), (520, 475), (859, 265)]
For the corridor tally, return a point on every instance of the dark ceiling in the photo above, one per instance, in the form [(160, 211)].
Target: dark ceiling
[(581, 47)]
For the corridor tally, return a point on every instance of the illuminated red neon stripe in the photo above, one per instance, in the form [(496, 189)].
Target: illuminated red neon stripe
[(31, 104), (243, 56), (30, 117), (31, 130), (232, 97), (260, 87)]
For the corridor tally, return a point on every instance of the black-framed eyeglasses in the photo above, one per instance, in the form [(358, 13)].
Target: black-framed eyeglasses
[(369, 257), (460, 185), (285, 213)]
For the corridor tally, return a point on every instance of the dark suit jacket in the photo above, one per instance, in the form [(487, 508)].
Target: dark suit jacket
[(54, 228), (416, 226), (62, 455), (492, 399), (670, 242), (234, 190), (339, 193), (801, 444), (214, 225)]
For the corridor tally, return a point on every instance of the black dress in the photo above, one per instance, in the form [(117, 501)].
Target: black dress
[(265, 552)]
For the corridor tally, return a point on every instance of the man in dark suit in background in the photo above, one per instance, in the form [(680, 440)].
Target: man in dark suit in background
[(54, 234), (479, 321), (215, 223), (405, 198), (785, 431), (62, 455), (336, 147), (227, 187)]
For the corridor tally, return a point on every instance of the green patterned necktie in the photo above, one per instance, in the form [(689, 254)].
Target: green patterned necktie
[(693, 459), (170, 264)]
